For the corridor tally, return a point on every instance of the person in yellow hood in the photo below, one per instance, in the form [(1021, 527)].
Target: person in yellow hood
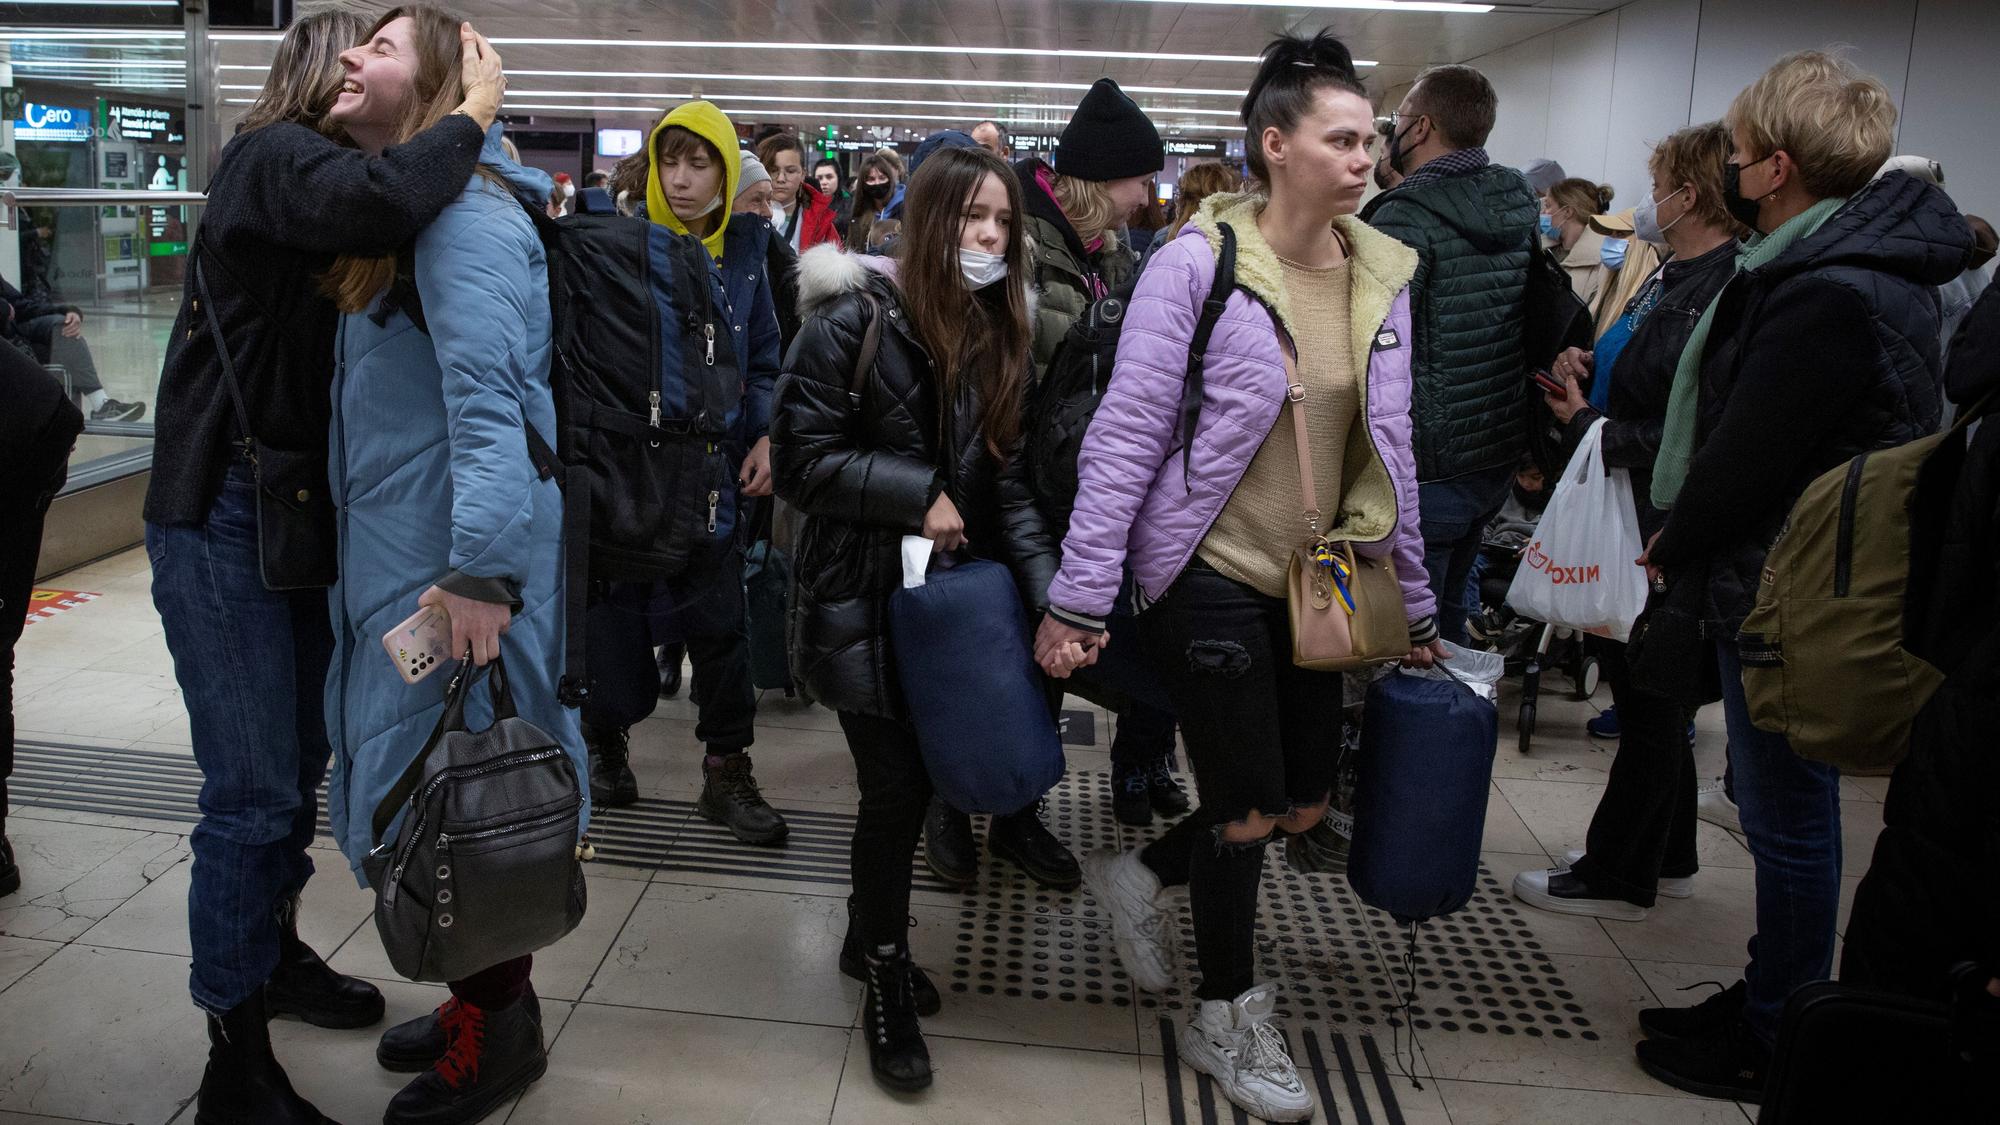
[(694, 167)]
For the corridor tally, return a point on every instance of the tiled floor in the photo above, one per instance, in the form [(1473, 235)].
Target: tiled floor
[(702, 985)]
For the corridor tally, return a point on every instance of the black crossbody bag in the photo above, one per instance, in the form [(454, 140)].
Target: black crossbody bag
[(297, 540)]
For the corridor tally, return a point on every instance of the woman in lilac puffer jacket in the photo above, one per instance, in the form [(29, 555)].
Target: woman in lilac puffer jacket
[(1209, 538)]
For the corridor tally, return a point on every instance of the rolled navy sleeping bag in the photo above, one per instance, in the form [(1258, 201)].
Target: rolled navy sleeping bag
[(1425, 769), (960, 645)]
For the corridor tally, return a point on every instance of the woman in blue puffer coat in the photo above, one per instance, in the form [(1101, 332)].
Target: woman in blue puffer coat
[(443, 364)]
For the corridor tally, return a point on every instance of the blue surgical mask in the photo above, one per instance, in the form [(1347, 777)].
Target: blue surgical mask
[(1547, 225), (1613, 254)]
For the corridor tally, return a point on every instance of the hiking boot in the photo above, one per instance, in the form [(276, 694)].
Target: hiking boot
[(1131, 801), (1667, 887), (1022, 838), (418, 1044), (1164, 787), (10, 872), (304, 986), (1712, 804), (114, 411), (1233, 1042), (243, 1084), (854, 964), (1727, 1061), (671, 657), (1129, 892), (1559, 891), (729, 797), (612, 784), (489, 1057), (896, 1050), (1605, 725), (1321, 849), (1702, 1018), (949, 849)]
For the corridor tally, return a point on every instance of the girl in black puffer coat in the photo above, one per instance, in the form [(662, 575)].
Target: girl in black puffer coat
[(928, 443)]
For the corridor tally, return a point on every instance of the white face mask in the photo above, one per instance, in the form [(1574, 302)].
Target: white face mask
[(980, 269), (569, 191), (710, 209), (1646, 220)]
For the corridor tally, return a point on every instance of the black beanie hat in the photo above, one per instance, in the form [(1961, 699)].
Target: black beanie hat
[(1109, 138)]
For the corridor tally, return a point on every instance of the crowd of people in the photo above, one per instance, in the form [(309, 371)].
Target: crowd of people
[(1768, 311)]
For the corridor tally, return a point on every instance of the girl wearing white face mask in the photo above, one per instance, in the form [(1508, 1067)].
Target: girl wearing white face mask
[(1641, 842), (920, 435)]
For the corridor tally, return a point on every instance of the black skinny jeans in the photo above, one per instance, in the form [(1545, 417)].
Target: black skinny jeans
[(1644, 827), (704, 606), (895, 792), (1262, 735)]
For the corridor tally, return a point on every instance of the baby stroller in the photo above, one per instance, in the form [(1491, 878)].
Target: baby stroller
[(1528, 646)]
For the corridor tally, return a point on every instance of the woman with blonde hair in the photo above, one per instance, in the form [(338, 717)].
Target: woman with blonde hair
[(443, 371), (1823, 347), (1588, 257), (243, 408)]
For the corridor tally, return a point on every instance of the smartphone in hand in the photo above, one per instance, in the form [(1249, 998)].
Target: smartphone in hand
[(1549, 383), (421, 644)]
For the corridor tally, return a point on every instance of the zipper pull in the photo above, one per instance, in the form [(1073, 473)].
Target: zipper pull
[(714, 498), (444, 844), (653, 400), (708, 333)]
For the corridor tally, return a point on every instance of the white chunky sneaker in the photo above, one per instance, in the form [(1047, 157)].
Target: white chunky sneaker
[(1130, 893), (1712, 804), (1682, 887), (1233, 1042)]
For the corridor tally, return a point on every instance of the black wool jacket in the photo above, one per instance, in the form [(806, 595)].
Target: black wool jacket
[(864, 474), (1822, 354), (284, 201)]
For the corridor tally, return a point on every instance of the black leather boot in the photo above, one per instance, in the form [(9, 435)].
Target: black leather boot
[(418, 1044), (1163, 786), (10, 873), (244, 1085), (489, 1057), (896, 1050), (1024, 839), (854, 963), (612, 784), (949, 849), (670, 657), (1131, 796), (304, 986), (730, 797)]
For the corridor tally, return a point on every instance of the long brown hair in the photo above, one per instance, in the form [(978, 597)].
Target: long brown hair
[(985, 333), (306, 74), (1198, 183), (863, 205), (437, 88)]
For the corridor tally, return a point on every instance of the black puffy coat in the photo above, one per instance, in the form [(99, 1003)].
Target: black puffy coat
[(1824, 353), (1932, 894), (864, 474)]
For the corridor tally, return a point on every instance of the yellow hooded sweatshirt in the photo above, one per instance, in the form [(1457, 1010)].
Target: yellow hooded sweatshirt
[(704, 120)]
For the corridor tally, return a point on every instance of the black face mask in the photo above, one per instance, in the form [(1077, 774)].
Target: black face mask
[(1742, 210), (1395, 151), (877, 191)]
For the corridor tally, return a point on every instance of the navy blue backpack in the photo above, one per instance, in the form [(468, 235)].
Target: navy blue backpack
[(1425, 769), (975, 696)]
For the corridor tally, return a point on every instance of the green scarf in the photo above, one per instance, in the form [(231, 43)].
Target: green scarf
[(1677, 440)]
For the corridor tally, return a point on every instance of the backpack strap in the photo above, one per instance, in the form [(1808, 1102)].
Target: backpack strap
[(1211, 312), (864, 359)]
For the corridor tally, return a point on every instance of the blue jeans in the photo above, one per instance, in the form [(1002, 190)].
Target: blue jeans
[(1790, 809), (252, 667), (1455, 514)]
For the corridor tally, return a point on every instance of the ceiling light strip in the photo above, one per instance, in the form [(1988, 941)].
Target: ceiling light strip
[(1440, 6), (794, 79)]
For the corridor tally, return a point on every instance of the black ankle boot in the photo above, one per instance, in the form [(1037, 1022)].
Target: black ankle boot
[(670, 657), (896, 1050), (302, 985), (1024, 839), (949, 849), (418, 1044), (730, 797), (10, 873), (612, 784), (854, 963), (489, 1057), (1131, 799), (1164, 787), (244, 1085)]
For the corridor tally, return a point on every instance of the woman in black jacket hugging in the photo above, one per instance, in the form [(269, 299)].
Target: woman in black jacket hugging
[(927, 444)]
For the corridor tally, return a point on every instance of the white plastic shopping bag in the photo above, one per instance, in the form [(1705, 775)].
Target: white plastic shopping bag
[(1578, 567)]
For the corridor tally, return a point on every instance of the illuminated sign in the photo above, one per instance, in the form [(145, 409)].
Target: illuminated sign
[(617, 142), (138, 123), (40, 122)]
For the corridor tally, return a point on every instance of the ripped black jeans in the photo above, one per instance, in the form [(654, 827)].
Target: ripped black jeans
[(1262, 735)]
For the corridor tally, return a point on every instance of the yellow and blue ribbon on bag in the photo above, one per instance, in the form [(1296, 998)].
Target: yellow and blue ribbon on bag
[(1338, 568)]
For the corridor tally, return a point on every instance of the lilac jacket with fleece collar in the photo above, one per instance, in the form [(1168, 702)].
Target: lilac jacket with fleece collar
[(1133, 505)]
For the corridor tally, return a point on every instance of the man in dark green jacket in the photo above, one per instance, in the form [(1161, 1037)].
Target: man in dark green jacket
[(1472, 224)]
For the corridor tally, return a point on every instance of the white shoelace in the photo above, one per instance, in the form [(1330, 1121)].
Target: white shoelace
[(1266, 1055)]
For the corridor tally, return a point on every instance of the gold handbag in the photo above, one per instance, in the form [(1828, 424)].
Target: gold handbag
[(1346, 609)]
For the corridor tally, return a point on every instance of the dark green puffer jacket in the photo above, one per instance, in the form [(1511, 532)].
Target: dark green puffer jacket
[(1472, 234)]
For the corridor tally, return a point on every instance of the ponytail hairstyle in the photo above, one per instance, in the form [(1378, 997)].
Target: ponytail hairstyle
[(1581, 198), (1293, 71), (306, 74)]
